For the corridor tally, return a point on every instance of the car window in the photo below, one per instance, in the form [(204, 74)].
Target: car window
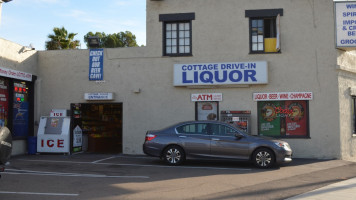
[(218, 129), (200, 128)]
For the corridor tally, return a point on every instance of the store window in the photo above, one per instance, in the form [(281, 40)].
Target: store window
[(177, 34), (205, 110), (4, 101), (289, 119), (20, 109), (264, 30)]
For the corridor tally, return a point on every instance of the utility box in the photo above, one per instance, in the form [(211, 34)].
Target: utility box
[(240, 119)]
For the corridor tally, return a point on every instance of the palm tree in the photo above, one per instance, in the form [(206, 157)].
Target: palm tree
[(62, 40)]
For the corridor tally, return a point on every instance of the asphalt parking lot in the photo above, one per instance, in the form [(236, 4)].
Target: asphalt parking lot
[(102, 176)]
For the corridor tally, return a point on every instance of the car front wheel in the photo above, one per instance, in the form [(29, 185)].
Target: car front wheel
[(174, 155), (263, 158)]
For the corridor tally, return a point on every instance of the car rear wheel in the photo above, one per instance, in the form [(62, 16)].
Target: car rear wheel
[(263, 158), (174, 155)]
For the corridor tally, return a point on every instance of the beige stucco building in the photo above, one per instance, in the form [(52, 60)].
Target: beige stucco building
[(217, 48)]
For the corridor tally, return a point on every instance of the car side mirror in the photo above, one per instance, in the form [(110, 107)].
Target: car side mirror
[(238, 136)]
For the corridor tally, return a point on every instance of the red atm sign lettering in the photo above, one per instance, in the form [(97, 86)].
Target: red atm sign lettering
[(207, 97)]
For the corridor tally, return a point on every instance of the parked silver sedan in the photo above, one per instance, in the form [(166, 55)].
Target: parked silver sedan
[(214, 140)]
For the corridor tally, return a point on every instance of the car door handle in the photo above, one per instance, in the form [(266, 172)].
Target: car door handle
[(215, 139), (182, 136)]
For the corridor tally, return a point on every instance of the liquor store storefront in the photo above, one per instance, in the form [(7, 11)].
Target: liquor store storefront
[(17, 102)]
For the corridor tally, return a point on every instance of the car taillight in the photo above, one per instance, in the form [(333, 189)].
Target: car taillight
[(150, 137)]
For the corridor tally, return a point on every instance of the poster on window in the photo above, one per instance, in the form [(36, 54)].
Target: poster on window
[(20, 110), (296, 121), (269, 120), (20, 119), (207, 110), (283, 118), (4, 95)]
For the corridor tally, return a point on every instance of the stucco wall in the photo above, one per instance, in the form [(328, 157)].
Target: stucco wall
[(307, 61), (347, 85), (17, 57), (220, 34)]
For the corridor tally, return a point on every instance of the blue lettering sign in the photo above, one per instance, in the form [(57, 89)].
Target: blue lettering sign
[(96, 62)]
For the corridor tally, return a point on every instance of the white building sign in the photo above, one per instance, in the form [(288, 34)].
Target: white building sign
[(282, 96), (345, 22), (10, 73), (99, 96), (207, 97), (221, 73)]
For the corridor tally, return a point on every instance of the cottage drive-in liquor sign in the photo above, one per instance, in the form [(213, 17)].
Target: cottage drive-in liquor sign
[(233, 73)]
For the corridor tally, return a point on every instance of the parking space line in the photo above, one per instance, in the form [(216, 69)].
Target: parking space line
[(38, 193), (42, 173), (104, 159), (140, 165)]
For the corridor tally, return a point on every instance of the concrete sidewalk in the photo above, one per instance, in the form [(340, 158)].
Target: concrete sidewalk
[(344, 190)]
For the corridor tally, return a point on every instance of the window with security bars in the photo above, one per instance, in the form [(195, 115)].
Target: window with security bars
[(178, 39)]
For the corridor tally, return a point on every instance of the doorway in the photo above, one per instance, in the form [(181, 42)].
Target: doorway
[(101, 124)]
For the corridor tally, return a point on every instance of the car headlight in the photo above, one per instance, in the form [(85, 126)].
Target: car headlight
[(283, 145)]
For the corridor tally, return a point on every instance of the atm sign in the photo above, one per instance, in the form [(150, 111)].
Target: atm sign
[(207, 97)]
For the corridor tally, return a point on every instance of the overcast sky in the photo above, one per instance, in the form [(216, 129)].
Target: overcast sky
[(30, 21)]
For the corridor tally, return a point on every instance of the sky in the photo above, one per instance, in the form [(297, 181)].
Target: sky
[(28, 22)]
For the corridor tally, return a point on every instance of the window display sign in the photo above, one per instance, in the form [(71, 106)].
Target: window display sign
[(4, 97), (345, 22), (206, 110), (20, 110), (96, 62), (221, 73), (283, 118)]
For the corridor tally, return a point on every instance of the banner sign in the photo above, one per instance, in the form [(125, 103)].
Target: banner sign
[(10, 73), (221, 73), (345, 22), (96, 62), (207, 97), (280, 96)]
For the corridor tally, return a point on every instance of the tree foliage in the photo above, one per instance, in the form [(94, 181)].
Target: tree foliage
[(121, 39), (61, 39)]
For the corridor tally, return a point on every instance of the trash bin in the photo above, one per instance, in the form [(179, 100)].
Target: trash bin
[(32, 145)]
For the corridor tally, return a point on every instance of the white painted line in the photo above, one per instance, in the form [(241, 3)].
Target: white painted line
[(41, 173), (103, 159), (139, 165), (38, 193)]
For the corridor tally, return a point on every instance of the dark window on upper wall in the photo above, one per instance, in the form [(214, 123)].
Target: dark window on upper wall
[(353, 114), (177, 34), (264, 30)]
